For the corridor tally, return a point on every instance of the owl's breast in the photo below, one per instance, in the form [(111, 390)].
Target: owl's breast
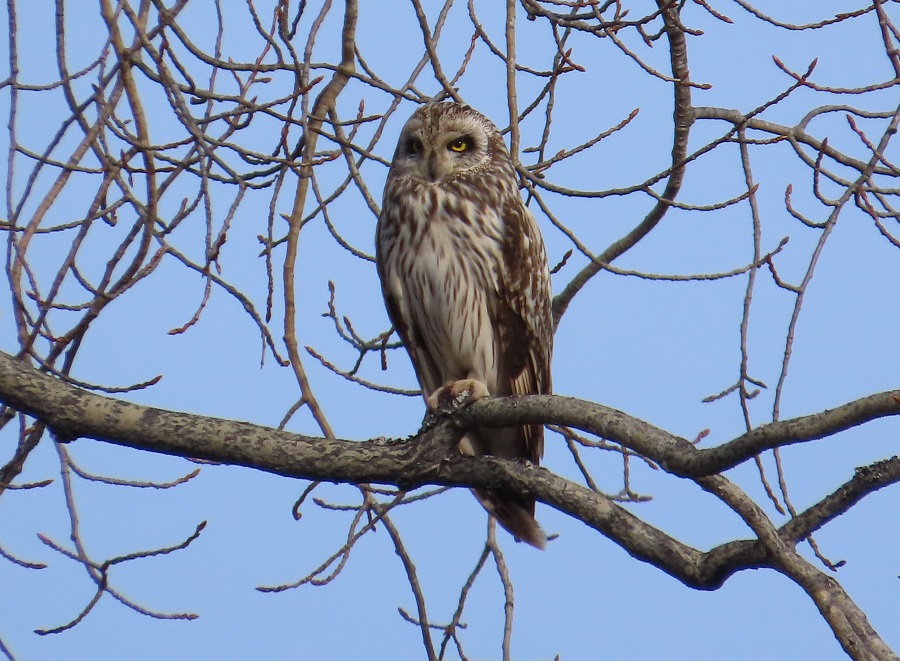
[(442, 268)]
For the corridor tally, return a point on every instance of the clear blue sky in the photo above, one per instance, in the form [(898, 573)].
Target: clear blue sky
[(652, 349)]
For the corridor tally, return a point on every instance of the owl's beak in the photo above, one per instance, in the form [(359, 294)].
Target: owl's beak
[(437, 167), (431, 169)]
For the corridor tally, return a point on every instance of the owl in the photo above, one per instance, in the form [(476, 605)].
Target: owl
[(465, 281)]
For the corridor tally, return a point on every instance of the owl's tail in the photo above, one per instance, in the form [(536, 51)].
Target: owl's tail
[(515, 514)]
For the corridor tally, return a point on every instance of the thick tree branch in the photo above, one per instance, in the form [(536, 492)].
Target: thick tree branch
[(70, 413), (673, 453)]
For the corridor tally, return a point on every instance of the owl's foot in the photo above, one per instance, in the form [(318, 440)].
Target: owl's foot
[(456, 395)]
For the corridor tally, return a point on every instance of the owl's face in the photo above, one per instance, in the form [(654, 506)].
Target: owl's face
[(443, 141)]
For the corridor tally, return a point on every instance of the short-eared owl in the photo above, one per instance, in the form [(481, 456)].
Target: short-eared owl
[(464, 275)]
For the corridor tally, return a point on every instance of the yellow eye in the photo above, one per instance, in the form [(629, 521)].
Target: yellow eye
[(459, 145)]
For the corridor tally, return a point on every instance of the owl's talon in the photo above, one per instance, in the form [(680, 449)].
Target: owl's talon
[(456, 395)]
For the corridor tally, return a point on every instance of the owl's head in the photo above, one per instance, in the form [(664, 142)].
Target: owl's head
[(443, 141)]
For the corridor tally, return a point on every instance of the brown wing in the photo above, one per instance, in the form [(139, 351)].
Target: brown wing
[(523, 315)]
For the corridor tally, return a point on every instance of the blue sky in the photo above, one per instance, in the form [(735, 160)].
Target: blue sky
[(653, 349)]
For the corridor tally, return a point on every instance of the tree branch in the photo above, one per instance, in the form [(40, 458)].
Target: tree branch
[(430, 458), (675, 454)]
